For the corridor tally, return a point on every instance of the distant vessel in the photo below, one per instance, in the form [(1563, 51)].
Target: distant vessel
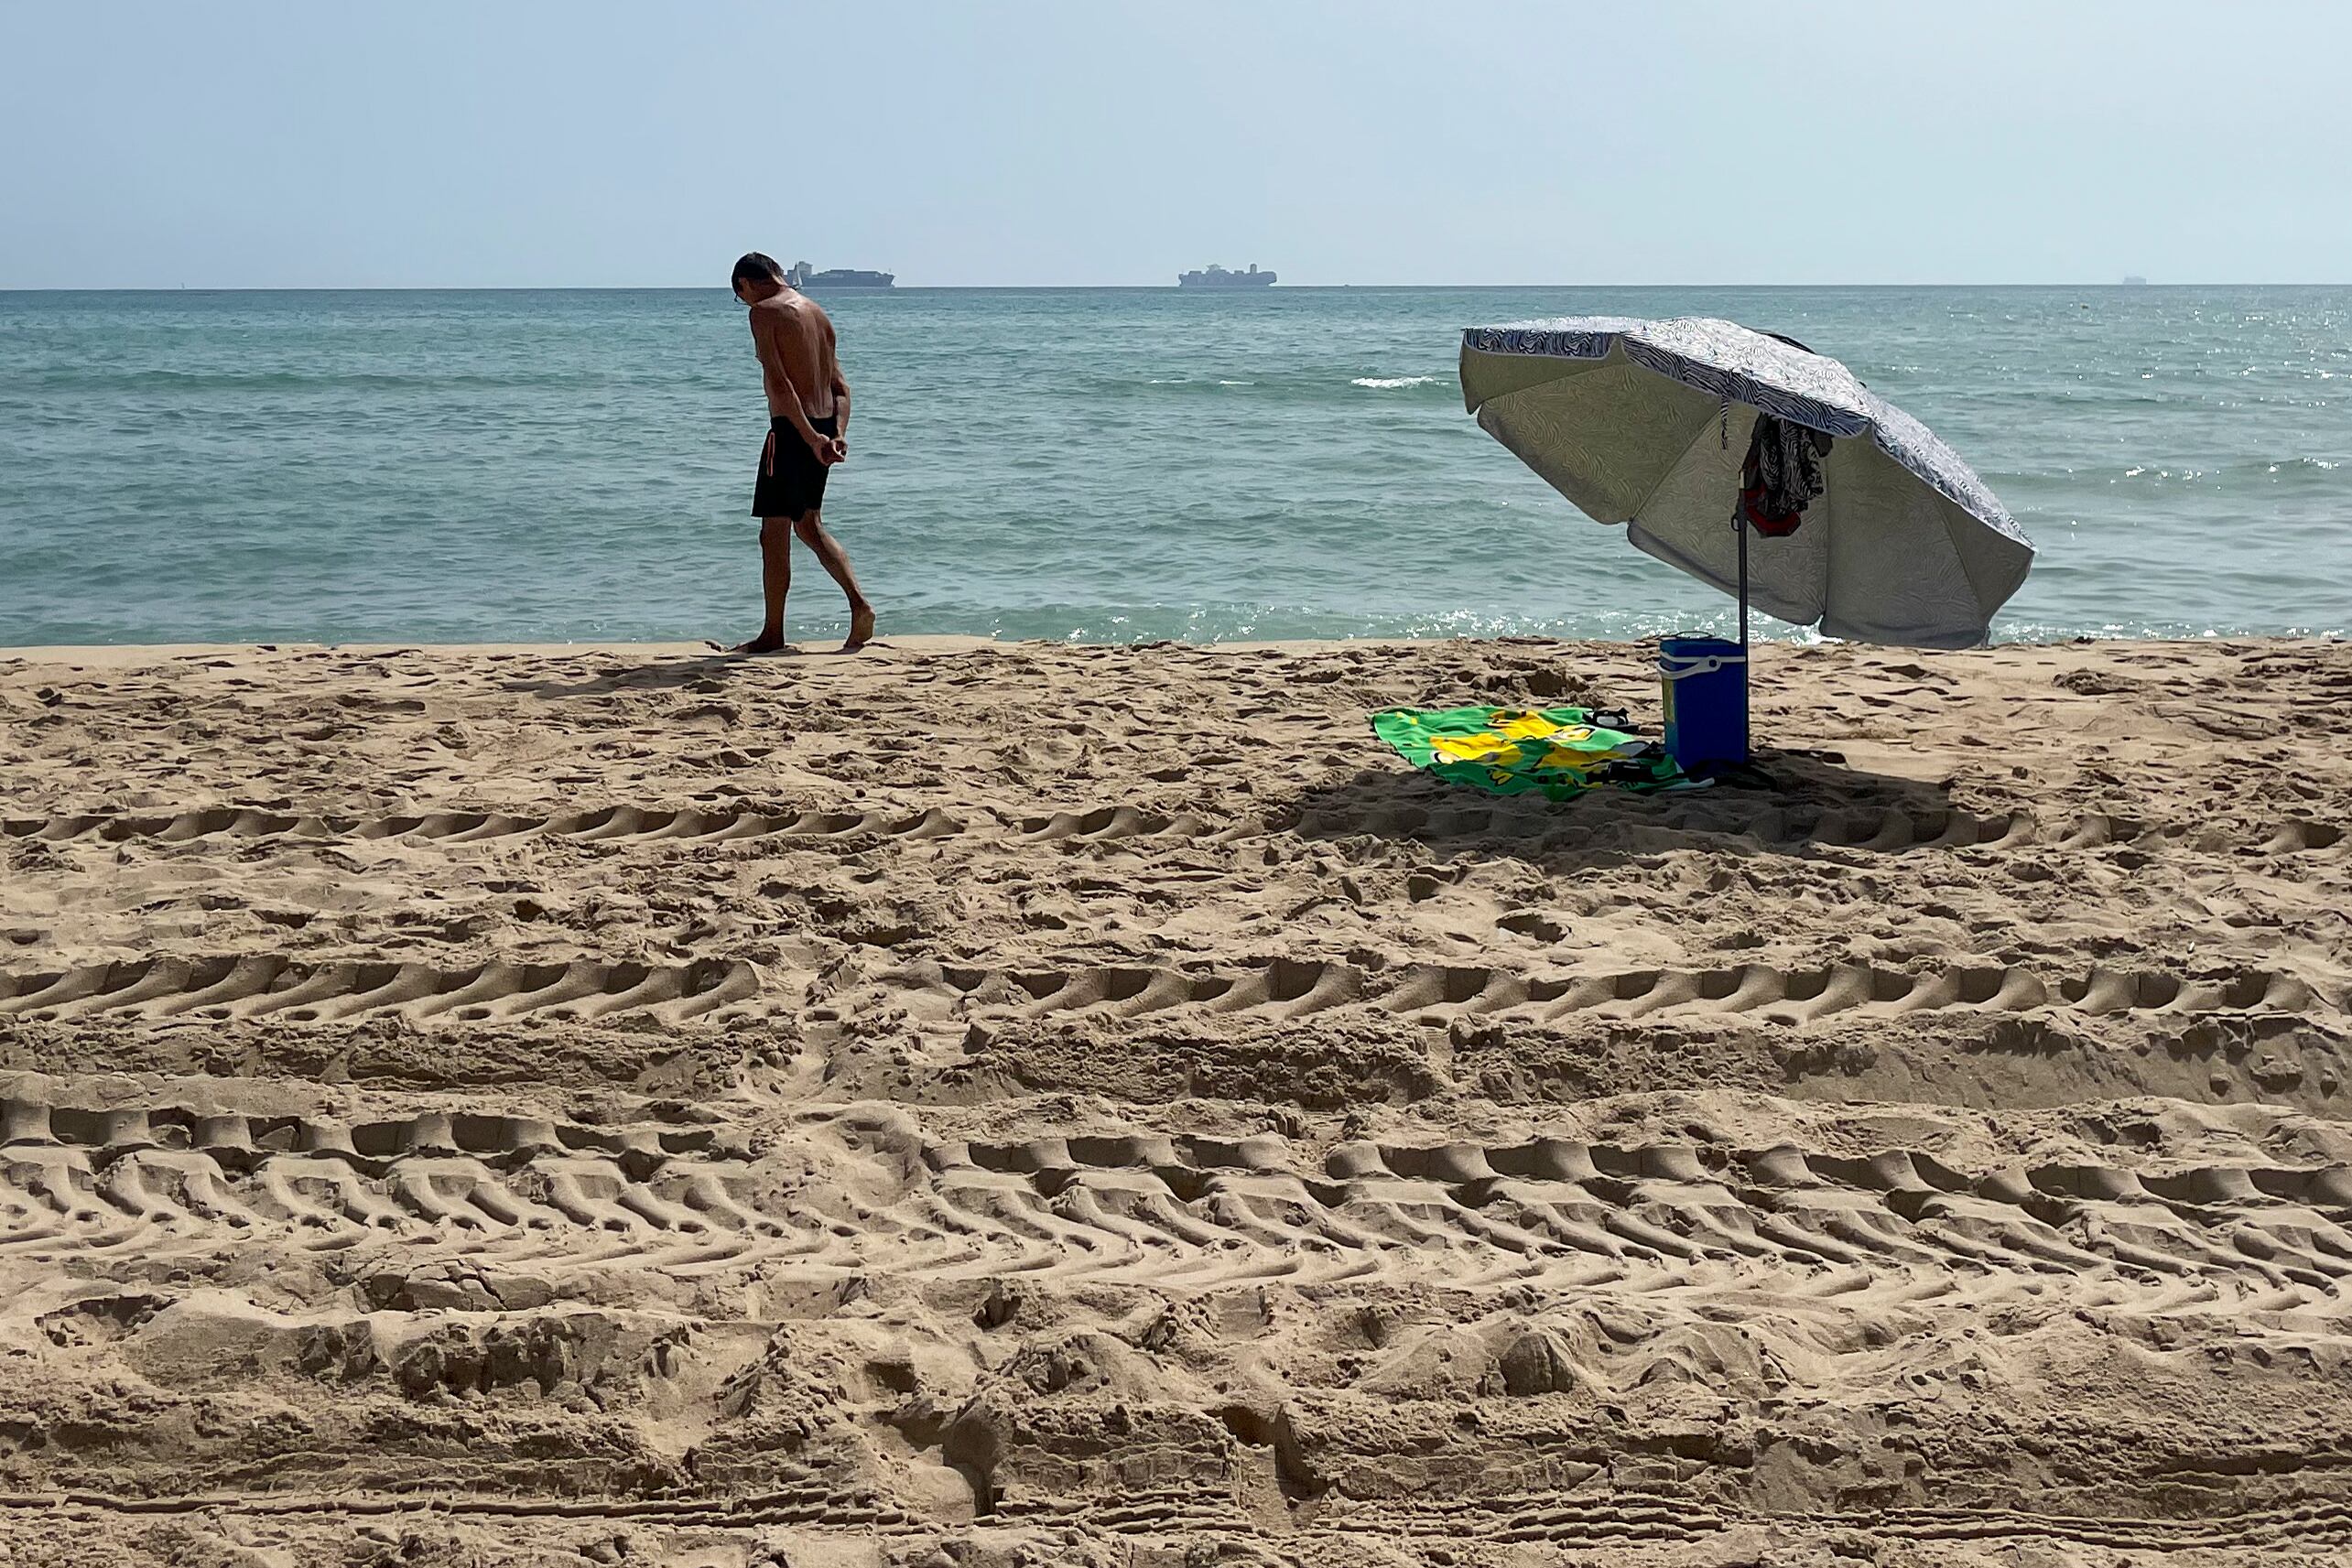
[(802, 275), (1218, 277), (2135, 281)]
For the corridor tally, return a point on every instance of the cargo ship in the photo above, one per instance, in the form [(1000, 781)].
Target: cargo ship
[(1218, 277), (802, 275)]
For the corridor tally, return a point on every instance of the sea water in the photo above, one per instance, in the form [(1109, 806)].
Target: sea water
[(1117, 464)]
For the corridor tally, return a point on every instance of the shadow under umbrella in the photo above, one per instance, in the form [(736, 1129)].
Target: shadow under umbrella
[(1788, 801)]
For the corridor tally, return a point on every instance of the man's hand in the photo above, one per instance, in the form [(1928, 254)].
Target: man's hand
[(830, 450)]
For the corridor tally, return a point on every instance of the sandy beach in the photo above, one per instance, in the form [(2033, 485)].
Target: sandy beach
[(1023, 1104)]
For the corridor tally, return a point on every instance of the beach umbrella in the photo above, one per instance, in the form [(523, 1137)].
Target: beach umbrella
[(1678, 429)]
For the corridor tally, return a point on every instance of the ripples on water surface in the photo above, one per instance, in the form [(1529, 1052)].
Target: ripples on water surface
[(1105, 464)]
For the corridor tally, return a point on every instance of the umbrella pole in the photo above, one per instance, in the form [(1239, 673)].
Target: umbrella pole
[(1740, 522), (1739, 525)]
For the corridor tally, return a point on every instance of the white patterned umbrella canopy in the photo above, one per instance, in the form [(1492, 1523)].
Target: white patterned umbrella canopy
[(1646, 423)]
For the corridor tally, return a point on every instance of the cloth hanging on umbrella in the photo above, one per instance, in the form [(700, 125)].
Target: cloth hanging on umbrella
[(1780, 476)]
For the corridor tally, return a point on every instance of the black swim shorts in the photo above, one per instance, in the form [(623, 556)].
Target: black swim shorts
[(791, 482)]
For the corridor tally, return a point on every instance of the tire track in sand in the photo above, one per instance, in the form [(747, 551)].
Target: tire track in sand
[(1889, 830), (279, 988), (1172, 1209)]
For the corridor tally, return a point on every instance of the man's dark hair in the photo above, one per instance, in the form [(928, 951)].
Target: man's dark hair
[(753, 265)]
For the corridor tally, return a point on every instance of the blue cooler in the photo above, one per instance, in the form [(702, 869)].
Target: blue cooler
[(1705, 683)]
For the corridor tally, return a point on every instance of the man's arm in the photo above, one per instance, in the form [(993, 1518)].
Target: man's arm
[(841, 384), (781, 394)]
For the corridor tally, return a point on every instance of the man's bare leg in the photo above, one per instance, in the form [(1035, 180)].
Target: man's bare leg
[(775, 582), (836, 562)]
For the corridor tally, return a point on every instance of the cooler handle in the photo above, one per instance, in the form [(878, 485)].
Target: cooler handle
[(1703, 665)]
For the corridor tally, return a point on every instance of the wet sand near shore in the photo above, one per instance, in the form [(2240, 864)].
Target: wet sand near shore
[(993, 1104)]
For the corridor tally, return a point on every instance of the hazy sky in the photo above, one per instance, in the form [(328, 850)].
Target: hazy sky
[(1875, 141)]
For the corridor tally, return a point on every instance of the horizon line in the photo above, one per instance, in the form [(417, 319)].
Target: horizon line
[(1093, 287)]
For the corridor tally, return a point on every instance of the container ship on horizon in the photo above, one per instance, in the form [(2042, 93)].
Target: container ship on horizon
[(1218, 277), (802, 275)]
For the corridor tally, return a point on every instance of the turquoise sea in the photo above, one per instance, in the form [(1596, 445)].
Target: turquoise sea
[(1102, 464)]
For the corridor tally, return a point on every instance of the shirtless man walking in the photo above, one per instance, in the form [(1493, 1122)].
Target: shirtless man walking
[(808, 408)]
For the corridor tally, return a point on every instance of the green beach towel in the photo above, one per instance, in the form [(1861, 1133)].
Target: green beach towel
[(1558, 752)]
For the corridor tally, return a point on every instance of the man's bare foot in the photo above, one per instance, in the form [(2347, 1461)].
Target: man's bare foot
[(762, 644), (860, 629)]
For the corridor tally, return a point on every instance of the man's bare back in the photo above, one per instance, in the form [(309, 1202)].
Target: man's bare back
[(808, 422), (794, 338)]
